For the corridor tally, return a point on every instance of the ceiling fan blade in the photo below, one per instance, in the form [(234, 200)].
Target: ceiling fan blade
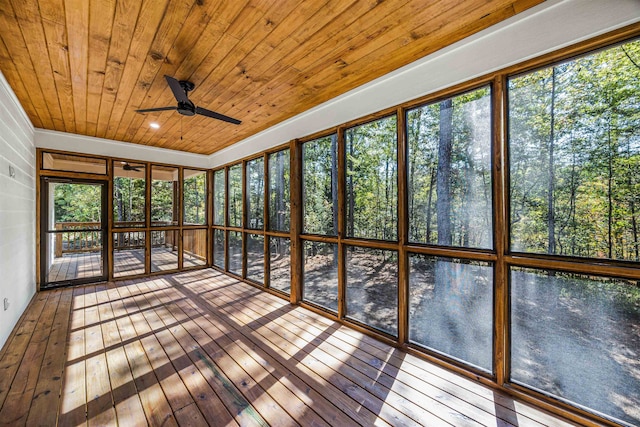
[(178, 91), (214, 115), (151, 110)]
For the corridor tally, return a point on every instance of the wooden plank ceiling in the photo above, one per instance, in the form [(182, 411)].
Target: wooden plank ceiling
[(85, 66)]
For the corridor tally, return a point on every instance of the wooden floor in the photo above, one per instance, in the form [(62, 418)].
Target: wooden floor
[(200, 348), (127, 262)]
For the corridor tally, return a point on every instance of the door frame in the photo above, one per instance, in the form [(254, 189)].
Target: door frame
[(44, 231)]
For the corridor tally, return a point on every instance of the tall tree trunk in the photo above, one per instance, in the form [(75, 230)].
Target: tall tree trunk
[(334, 192), (610, 194), (432, 180), (443, 179), (350, 194), (551, 221)]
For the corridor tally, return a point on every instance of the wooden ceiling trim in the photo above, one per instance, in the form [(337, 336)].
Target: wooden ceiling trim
[(55, 30), (100, 33), (29, 20), (176, 13), (77, 16), (151, 14), (16, 47), (126, 16)]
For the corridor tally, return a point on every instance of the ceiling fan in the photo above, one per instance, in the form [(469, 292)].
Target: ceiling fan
[(180, 89), (128, 167)]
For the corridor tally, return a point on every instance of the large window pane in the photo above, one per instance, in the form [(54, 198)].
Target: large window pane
[(164, 194), (128, 253), (372, 287), (218, 248), (235, 196), (574, 144), (234, 252), (129, 180), (372, 180), (280, 264), (164, 250), (451, 307), (255, 193), (194, 248), (320, 186), (255, 258), (219, 192), (449, 171), (279, 199), (194, 197), (577, 337), (320, 274)]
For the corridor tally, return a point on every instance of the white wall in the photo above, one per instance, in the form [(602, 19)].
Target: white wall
[(17, 210), (545, 28)]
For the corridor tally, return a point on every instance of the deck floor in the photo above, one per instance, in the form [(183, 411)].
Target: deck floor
[(127, 262), (199, 347)]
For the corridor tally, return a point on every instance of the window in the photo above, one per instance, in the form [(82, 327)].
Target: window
[(234, 252), (129, 194), (255, 258), (574, 181), (372, 180), (235, 196), (320, 274), (280, 264), (255, 193), (164, 194), (574, 144), (164, 250), (575, 337), (320, 186), (279, 198), (128, 253), (451, 308), (449, 171), (372, 288), (218, 248), (194, 248), (219, 194), (194, 196)]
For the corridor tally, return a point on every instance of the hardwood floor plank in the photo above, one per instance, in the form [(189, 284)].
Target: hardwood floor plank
[(199, 347), (127, 403), (16, 407), (277, 408), (44, 407), (73, 401)]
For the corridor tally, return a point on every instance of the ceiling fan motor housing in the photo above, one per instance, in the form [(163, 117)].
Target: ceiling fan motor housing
[(186, 108)]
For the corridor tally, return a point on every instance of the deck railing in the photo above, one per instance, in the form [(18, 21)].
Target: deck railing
[(87, 236)]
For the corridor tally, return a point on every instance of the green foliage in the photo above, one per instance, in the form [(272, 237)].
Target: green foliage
[(194, 196), (469, 183), (575, 187), (235, 195), (255, 196), (279, 191), (372, 180), (318, 171), (219, 193), (128, 199), (77, 202)]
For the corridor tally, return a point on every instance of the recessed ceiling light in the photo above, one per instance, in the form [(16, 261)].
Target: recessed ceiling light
[(154, 125)]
